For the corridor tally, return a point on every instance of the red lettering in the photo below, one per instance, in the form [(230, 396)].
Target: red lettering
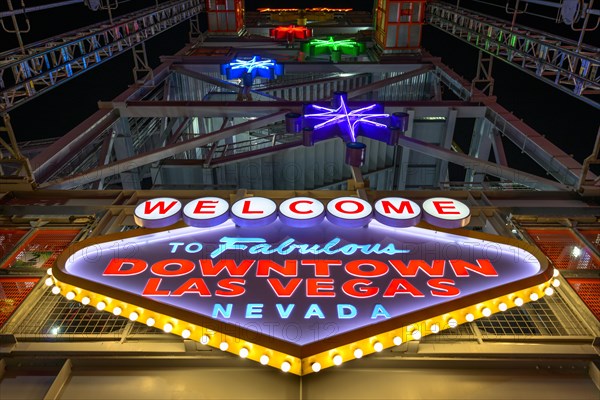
[(205, 204), (294, 208), (116, 266), (378, 268), (442, 206), (233, 269), (401, 286), (289, 269), (193, 285), (359, 288), (359, 207), (287, 290), (322, 266), (435, 269), (183, 267), (246, 209), (445, 288), (388, 207), (232, 287), (151, 288), (149, 208), (318, 287), (483, 267)]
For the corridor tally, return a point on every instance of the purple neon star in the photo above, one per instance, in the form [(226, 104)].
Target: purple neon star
[(347, 120)]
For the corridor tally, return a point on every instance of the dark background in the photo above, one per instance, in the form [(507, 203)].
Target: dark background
[(569, 123)]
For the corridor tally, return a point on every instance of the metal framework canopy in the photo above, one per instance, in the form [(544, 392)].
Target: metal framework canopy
[(189, 129)]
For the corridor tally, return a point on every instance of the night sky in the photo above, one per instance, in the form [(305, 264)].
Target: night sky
[(568, 122)]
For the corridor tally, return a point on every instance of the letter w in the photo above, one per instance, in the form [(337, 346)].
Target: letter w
[(233, 269), (435, 269), (149, 208)]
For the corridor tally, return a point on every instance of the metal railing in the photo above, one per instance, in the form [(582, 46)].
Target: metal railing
[(555, 60), (51, 62)]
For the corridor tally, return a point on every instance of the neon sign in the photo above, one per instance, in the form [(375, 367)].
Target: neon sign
[(249, 69), (321, 123), (335, 48), (290, 32), (301, 299)]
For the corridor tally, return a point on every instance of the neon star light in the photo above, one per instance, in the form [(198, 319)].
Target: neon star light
[(249, 69), (316, 47), (290, 32), (344, 122)]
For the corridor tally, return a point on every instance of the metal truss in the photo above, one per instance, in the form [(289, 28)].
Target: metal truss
[(552, 59), (51, 62)]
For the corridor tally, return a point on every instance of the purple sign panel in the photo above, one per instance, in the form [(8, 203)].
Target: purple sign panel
[(302, 285)]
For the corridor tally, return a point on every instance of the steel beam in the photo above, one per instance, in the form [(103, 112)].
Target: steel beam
[(555, 161), (148, 109), (135, 162), (481, 166), (388, 81)]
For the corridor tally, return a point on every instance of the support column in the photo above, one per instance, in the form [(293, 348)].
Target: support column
[(15, 169), (483, 79), (141, 68), (447, 143), (59, 382), (123, 148), (481, 146)]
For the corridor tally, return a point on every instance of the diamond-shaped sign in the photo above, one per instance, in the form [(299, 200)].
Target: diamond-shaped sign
[(302, 299)]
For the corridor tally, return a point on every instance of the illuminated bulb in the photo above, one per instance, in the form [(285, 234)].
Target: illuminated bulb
[(337, 359), (49, 281), (534, 296), (204, 339), (264, 359), (556, 273), (186, 333), (49, 271), (549, 291), (576, 252), (55, 290), (435, 328), (244, 352), (168, 327), (502, 307), (518, 302), (70, 295), (117, 310), (486, 312), (378, 346), (397, 340), (286, 366), (223, 346), (416, 334), (556, 283), (134, 316), (470, 317), (316, 367), (452, 323), (358, 353), (85, 301), (150, 322), (101, 305)]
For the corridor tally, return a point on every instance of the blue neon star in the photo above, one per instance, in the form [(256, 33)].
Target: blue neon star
[(249, 65), (345, 119)]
